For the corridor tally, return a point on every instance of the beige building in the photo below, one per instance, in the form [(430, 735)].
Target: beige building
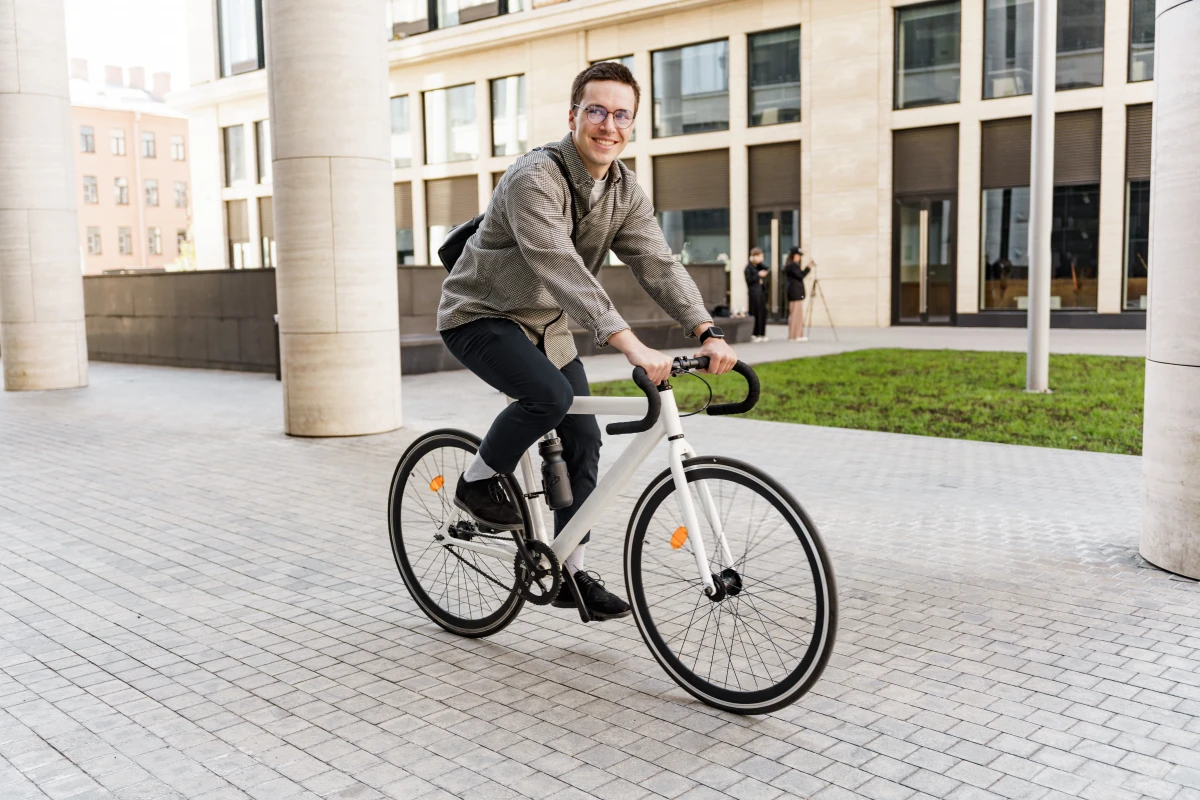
[(888, 139), (132, 167)]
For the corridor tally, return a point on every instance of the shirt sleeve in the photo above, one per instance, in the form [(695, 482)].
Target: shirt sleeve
[(542, 230), (640, 244)]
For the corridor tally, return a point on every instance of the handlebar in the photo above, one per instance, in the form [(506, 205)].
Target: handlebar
[(678, 367)]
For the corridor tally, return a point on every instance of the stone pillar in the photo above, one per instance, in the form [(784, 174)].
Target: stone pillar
[(334, 219), (43, 340), (1171, 449)]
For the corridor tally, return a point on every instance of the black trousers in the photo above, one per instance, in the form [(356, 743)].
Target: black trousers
[(758, 310), (500, 353)]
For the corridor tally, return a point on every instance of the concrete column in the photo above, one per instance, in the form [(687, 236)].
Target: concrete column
[(42, 335), (1171, 439), (334, 217)]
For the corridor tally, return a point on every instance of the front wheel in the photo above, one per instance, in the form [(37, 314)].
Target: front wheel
[(764, 639)]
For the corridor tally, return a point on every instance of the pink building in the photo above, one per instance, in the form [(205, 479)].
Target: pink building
[(132, 171)]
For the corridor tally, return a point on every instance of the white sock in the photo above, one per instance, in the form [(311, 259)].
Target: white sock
[(478, 470), (575, 560)]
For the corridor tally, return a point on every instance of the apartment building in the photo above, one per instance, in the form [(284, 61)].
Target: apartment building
[(889, 139), (132, 171)]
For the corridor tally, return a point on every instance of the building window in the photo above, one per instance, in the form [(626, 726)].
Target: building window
[(691, 194), (87, 139), (450, 131), (180, 241), (1137, 244), (1008, 48), (401, 133), (448, 202), (121, 191), (627, 62), (1080, 43), (237, 223), (91, 191), (180, 194), (125, 241), (93, 241), (235, 154), (1141, 40), (406, 251), (691, 89), (262, 138), (509, 133), (116, 139), (148, 145), (151, 192), (927, 55), (407, 17), (154, 241), (177, 150), (266, 228), (775, 77), (240, 23), (457, 12)]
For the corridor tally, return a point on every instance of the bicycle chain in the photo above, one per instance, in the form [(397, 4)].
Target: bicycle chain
[(524, 589)]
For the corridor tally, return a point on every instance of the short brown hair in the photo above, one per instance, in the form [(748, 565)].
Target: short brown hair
[(756, 251), (605, 71)]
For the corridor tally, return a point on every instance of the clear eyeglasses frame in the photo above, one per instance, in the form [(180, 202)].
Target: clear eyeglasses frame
[(596, 115)]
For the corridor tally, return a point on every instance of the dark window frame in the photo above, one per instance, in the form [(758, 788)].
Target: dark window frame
[(653, 133), (1129, 48), (896, 11), (749, 77), (258, 19)]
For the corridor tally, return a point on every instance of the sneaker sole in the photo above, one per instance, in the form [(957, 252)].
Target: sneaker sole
[(496, 526)]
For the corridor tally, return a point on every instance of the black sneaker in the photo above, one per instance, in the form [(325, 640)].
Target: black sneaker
[(601, 603), (489, 503)]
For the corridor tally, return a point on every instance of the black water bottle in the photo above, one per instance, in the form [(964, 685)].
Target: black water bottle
[(555, 480)]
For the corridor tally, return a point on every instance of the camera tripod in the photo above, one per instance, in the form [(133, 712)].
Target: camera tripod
[(812, 298)]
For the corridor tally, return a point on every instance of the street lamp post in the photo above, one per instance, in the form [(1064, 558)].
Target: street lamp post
[(1041, 196)]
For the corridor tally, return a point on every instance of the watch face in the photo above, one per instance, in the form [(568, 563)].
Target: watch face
[(717, 332)]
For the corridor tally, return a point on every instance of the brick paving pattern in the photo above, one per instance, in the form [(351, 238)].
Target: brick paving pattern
[(194, 605)]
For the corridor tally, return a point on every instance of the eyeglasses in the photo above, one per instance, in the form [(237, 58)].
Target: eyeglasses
[(596, 115)]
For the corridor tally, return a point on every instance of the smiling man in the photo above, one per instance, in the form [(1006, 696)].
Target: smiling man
[(534, 261)]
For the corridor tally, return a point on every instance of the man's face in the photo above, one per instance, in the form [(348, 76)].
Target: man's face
[(756, 258), (599, 145)]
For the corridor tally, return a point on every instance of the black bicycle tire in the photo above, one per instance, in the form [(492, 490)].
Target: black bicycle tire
[(461, 626), (815, 660)]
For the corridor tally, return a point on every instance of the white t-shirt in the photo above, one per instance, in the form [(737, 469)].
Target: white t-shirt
[(598, 191)]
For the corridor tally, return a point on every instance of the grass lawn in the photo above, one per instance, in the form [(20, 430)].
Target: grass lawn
[(1096, 403)]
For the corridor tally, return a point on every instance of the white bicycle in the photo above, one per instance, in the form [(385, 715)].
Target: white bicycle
[(729, 581)]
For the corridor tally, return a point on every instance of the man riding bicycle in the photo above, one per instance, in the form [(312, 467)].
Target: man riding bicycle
[(504, 308)]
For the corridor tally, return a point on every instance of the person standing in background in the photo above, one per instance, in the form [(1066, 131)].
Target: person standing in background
[(756, 275), (796, 295)]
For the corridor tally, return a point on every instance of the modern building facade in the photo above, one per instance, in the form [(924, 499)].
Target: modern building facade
[(889, 139), (132, 166)]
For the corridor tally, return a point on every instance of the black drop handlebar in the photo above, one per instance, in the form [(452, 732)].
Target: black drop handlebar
[(678, 367)]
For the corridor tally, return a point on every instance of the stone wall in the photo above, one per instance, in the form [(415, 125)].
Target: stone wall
[(224, 319)]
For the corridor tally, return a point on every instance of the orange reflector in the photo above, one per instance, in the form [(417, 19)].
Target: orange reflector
[(679, 537), (437, 483)]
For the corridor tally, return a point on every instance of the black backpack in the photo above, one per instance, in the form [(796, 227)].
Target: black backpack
[(456, 238)]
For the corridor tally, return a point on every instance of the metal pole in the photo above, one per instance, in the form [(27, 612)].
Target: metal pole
[(1041, 195)]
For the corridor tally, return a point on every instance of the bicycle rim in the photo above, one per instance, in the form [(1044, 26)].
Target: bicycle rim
[(755, 650), (467, 593)]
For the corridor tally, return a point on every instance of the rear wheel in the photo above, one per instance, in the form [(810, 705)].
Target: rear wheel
[(465, 592), (763, 641)]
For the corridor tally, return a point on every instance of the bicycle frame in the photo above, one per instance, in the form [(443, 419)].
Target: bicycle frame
[(614, 481)]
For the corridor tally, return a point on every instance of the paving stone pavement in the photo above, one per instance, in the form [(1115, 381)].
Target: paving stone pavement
[(194, 605)]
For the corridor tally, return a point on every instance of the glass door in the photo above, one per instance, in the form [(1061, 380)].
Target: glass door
[(776, 230), (923, 257)]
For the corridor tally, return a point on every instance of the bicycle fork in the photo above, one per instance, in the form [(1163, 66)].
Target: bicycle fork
[(680, 450)]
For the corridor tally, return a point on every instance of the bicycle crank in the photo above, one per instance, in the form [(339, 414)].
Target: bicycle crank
[(538, 584)]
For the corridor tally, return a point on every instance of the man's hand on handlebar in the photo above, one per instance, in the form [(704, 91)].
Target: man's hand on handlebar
[(656, 364), (721, 357)]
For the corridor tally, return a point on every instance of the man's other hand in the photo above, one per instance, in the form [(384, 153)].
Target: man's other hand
[(721, 357)]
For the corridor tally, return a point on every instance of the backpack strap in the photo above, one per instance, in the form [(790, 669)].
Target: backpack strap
[(562, 167)]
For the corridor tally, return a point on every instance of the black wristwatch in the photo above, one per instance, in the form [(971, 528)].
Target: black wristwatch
[(711, 332)]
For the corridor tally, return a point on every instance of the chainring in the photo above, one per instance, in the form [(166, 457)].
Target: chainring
[(532, 584)]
